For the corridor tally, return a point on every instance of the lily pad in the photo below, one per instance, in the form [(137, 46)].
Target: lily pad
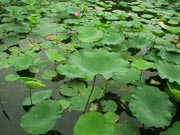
[(173, 30), (38, 97), (49, 74), (109, 105), (89, 34), (111, 117), (146, 105), (93, 123), (12, 77), (172, 130), (169, 71), (112, 38), (174, 89), (126, 128), (42, 117), (142, 64), (87, 64), (54, 55)]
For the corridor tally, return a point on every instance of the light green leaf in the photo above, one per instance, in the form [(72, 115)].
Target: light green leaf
[(109, 105), (142, 64), (49, 74), (89, 34), (38, 97), (146, 105), (12, 77), (169, 71), (111, 117), (93, 123), (174, 130), (87, 64), (174, 89), (54, 55), (41, 117)]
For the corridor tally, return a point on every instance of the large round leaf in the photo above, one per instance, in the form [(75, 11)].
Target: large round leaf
[(87, 64), (93, 123), (169, 71), (89, 34), (174, 130), (41, 117), (151, 107), (174, 89)]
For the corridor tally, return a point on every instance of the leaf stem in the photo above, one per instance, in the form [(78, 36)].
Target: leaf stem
[(94, 80), (3, 110), (30, 95)]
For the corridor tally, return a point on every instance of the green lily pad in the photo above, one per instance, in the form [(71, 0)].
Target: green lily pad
[(169, 71), (173, 30), (41, 117), (126, 128), (87, 64), (12, 77), (109, 105), (174, 89), (174, 130), (93, 123), (89, 34), (142, 64), (23, 62), (38, 97), (78, 103), (49, 74), (112, 117), (54, 55), (112, 38), (146, 105)]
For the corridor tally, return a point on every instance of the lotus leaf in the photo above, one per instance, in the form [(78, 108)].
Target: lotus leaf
[(126, 128), (49, 74), (23, 62), (87, 64), (93, 123), (147, 103), (54, 55), (173, 30), (89, 34), (174, 89), (111, 117), (78, 103), (38, 97), (169, 56), (12, 77), (169, 71), (174, 130), (142, 64), (41, 117), (112, 38), (32, 83), (109, 105)]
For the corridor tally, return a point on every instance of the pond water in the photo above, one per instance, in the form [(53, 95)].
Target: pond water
[(12, 96)]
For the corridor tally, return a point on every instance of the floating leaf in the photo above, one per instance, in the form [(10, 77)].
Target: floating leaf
[(173, 30), (146, 105), (89, 34), (111, 117), (142, 64), (109, 105), (38, 97), (54, 55), (169, 71), (78, 103), (64, 103), (12, 77), (126, 128), (23, 62), (93, 123), (87, 64), (174, 89), (41, 117), (112, 38), (49, 74), (174, 130)]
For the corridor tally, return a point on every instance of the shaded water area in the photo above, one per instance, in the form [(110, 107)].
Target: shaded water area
[(12, 96)]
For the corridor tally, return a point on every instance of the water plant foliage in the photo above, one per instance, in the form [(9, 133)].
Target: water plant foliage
[(108, 58)]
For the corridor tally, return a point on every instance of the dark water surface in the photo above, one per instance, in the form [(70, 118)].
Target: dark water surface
[(12, 96)]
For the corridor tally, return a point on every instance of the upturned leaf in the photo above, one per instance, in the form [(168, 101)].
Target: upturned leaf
[(86, 64)]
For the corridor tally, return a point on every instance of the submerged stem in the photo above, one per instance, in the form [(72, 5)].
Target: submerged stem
[(3, 110), (30, 95), (94, 80)]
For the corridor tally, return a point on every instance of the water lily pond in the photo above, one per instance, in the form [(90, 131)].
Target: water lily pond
[(90, 67)]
